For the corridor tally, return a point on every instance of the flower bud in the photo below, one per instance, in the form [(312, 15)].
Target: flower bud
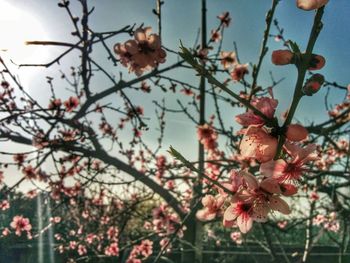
[(311, 4), (282, 57), (313, 84), (316, 62), (296, 133)]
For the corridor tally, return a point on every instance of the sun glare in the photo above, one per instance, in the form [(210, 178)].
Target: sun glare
[(17, 27)]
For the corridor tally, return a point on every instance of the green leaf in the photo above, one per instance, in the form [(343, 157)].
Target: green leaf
[(178, 156), (294, 46)]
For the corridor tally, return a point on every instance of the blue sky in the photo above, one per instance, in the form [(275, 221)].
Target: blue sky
[(181, 19)]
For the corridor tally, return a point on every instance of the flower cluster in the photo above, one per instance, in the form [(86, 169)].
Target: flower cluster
[(281, 152), (328, 222), (141, 252), (142, 53), (229, 61)]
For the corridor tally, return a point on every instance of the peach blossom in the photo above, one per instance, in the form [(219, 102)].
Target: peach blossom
[(253, 203), (228, 59), (239, 71), (142, 53), (215, 36), (225, 19), (212, 207), (258, 144), (20, 224), (265, 105), (283, 171), (242, 212)]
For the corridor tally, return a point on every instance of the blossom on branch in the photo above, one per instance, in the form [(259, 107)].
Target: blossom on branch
[(258, 144), (142, 53), (21, 224)]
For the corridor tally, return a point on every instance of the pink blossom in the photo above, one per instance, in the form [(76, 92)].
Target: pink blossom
[(243, 213), (282, 224), (112, 249), (207, 136), (225, 19), (71, 104), (6, 231), (258, 144), (289, 171), (142, 53), (239, 71), (265, 105), (253, 202), (20, 224), (236, 237), (212, 207), (4, 205), (82, 250), (215, 36), (112, 233), (228, 59)]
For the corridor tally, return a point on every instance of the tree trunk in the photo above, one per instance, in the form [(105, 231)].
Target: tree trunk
[(194, 233), (192, 249)]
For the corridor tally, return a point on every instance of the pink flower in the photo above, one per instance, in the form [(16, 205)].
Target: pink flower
[(253, 202), (112, 249), (282, 224), (55, 104), (215, 36), (6, 232), (71, 104), (258, 144), (266, 105), (311, 4), (212, 207), (29, 172), (242, 212), (228, 59), (82, 250), (225, 19), (296, 133), (142, 53), (239, 71), (113, 233), (236, 237), (4, 205), (146, 248), (282, 57), (20, 224), (207, 136), (290, 171)]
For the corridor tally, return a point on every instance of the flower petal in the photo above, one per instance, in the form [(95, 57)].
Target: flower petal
[(278, 204), (273, 168), (245, 223), (230, 213), (271, 185)]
